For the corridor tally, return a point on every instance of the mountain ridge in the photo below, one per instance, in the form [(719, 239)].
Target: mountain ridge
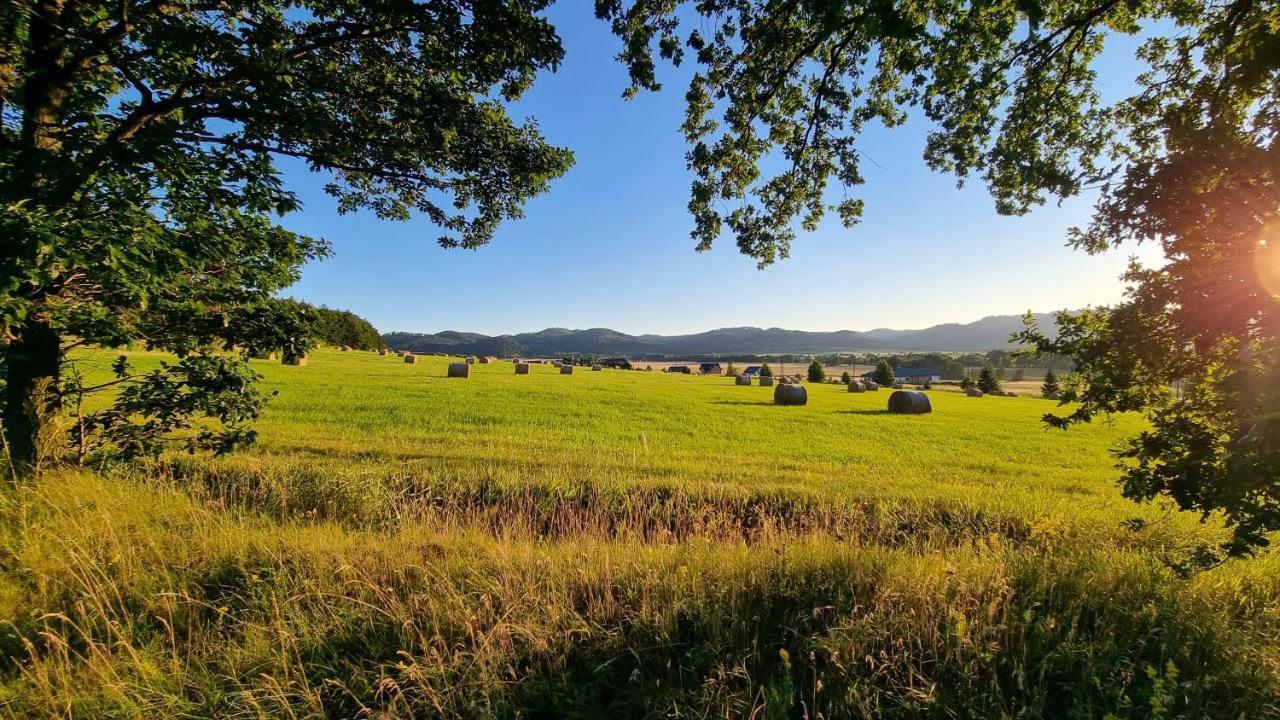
[(989, 333)]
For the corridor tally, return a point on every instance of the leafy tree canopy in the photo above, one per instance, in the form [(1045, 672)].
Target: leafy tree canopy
[(139, 186), (1189, 161)]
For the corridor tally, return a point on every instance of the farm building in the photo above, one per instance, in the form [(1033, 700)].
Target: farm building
[(680, 369), (911, 375), (752, 371), (711, 368)]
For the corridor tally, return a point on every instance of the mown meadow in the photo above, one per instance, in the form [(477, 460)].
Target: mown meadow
[(628, 544)]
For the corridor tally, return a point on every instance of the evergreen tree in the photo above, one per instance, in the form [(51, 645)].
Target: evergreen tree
[(844, 377), (1051, 384), (967, 382), (816, 373), (883, 374), (987, 380)]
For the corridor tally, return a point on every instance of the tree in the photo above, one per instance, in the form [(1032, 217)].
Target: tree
[(816, 373), (139, 197), (342, 327), (883, 374), (731, 371), (1051, 385), (967, 382), (765, 370), (1187, 162), (844, 377), (987, 380)]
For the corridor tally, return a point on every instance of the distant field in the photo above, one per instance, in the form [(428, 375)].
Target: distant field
[(623, 544)]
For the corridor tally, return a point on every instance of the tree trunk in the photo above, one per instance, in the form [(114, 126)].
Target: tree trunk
[(31, 402)]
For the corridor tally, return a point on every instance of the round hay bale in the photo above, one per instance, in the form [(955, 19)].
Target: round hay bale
[(459, 370), (346, 348), (922, 387), (871, 387), (742, 380), (597, 368), (856, 387), (973, 392), (556, 363), (1053, 396), (766, 381), (909, 403), (484, 360), (411, 359), (898, 386), (264, 355), (471, 359), (299, 360), (566, 369), (1010, 393), (382, 352), (790, 394), (522, 368), (405, 353)]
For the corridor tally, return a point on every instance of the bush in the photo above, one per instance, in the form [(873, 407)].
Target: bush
[(844, 377), (766, 371)]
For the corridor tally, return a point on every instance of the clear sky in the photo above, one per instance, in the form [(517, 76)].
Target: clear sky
[(609, 245)]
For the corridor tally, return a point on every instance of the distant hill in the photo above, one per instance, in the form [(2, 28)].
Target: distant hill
[(986, 334)]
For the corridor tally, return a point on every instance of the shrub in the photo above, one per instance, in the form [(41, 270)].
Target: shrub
[(844, 377)]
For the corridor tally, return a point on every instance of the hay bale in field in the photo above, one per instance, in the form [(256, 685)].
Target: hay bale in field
[(471, 360), (1053, 396), (410, 359), (459, 370), (597, 368), (898, 386), (382, 351), (766, 381), (483, 360), (346, 348), (790, 394), (556, 363), (566, 369), (1010, 393), (742, 380), (973, 392), (871, 387), (264, 355), (522, 368), (299, 360), (856, 387), (909, 403)]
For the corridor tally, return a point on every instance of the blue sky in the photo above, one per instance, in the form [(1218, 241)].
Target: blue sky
[(609, 245)]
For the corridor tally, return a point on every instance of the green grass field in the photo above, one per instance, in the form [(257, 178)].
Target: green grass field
[(622, 544)]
